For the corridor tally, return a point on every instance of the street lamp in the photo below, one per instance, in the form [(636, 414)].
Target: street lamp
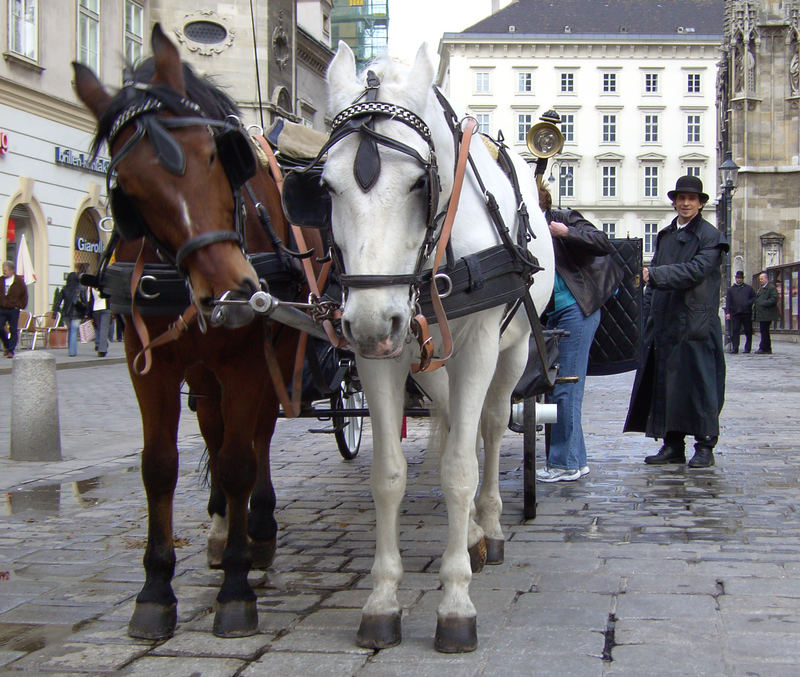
[(728, 172), (551, 179)]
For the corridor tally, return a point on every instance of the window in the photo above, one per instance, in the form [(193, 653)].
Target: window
[(524, 123), (609, 83), (650, 232), (692, 129), (609, 188), (566, 181), (89, 33), (693, 170), (651, 128), (609, 128), (133, 31), (482, 82), (567, 83), (693, 83), (484, 120), (651, 181), (610, 229), (22, 37), (524, 82), (651, 83), (568, 126)]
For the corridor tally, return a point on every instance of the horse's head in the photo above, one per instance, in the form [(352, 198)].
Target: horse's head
[(180, 164), (382, 177)]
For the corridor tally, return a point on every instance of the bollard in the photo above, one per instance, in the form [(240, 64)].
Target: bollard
[(35, 430)]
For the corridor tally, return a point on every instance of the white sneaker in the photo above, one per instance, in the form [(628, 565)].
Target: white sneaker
[(557, 475), (584, 470)]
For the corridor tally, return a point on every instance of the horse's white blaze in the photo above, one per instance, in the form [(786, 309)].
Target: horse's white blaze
[(379, 232)]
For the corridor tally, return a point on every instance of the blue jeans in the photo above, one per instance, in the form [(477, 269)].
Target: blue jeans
[(567, 447), (102, 323), (72, 336)]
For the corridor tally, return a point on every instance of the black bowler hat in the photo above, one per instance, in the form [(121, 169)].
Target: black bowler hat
[(689, 184), (739, 273)]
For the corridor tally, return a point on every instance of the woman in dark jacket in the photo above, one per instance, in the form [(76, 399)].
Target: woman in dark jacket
[(586, 277), (71, 302), (680, 385)]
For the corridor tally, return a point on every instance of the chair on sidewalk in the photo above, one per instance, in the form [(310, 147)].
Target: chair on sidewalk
[(43, 325), (24, 330)]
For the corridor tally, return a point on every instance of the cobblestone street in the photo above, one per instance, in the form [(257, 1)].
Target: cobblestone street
[(633, 570)]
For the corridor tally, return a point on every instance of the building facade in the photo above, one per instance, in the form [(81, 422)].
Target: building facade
[(759, 92), (51, 191), (635, 89)]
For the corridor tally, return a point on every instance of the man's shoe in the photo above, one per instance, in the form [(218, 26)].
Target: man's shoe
[(584, 470), (667, 454), (763, 352), (99, 354), (733, 352), (557, 475), (10, 354), (703, 457)]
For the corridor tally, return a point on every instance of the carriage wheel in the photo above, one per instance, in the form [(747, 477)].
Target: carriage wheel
[(348, 428)]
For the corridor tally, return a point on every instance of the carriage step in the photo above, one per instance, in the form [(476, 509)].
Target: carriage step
[(323, 431)]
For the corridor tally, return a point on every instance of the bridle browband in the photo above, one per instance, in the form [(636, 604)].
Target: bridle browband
[(147, 101)]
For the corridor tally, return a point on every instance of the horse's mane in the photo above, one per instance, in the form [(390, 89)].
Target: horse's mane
[(214, 102)]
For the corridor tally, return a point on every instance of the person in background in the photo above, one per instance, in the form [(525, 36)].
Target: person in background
[(102, 321), (739, 311), (13, 298), (586, 277), (765, 312), (679, 388), (72, 304)]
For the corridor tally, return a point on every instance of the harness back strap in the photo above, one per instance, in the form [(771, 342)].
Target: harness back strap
[(444, 238)]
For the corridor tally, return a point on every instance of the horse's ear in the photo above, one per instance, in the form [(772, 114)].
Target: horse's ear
[(169, 70), (89, 90), (422, 70), (342, 80)]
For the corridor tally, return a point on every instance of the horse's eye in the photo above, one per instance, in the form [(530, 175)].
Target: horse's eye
[(327, 187), (419, 184)]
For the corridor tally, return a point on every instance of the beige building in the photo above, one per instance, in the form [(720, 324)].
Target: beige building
[(51, 192)]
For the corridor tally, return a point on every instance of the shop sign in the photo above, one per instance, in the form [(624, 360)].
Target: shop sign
[(75, 158), (84, 245), (3, 143)]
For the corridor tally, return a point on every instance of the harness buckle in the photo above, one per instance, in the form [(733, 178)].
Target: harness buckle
[(448, 287)]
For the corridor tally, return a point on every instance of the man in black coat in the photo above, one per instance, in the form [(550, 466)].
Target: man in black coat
[(739, 310), (680, 384)]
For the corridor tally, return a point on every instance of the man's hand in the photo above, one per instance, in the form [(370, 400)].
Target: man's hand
[(558, 229), (645, 275), (727, 316)]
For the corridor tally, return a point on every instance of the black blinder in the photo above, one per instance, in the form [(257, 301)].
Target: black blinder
[(306, 201), (237, 156), (127, 218)]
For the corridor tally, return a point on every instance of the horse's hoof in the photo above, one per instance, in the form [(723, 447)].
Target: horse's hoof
[(456, 635), (495, 550), (214, 549), (153, 621), (263, 553), (236, 619), (379, 632), (477, 556)]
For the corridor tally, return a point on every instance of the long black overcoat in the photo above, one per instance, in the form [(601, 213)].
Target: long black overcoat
[(680, 383)]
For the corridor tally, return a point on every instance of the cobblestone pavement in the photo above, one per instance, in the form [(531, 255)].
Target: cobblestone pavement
[(633, 570)]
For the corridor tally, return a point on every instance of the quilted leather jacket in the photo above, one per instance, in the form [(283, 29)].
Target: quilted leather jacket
[(583, 261)]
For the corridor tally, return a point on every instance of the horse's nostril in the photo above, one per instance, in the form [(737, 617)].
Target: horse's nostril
[(346, 328), (397, 324)]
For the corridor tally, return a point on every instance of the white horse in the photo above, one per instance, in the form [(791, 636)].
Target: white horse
[(379, 222)]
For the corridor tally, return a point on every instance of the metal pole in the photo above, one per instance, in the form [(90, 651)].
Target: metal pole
[(728, 192)]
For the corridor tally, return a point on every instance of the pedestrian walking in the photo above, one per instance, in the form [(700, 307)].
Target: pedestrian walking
[(586, 277), (739, 311), (765, 312), (71, 302), (13, 298), (101, 314), (679, 387)]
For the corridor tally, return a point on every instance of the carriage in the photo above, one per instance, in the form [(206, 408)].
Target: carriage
[(182, 166)]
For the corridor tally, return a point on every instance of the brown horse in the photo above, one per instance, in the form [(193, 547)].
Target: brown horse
[(184, 195)]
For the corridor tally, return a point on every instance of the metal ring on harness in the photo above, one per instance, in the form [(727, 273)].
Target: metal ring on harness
[(449, 287), (142, 292), (101, 224)]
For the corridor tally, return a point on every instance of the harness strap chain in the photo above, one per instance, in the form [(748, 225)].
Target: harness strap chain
[(447, 227)]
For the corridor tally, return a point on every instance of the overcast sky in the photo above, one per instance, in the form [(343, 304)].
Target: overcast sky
[(412, 22)]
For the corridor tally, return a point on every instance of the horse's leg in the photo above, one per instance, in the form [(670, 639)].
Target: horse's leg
[(235, 468), (470, 375), (158, 393), (494, 419), (261, 525), (383, 385), (205, 387)]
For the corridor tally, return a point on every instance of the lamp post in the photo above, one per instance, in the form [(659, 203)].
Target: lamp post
[(551, 179), (728, 172)]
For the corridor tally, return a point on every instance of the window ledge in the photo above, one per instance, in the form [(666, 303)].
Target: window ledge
[(24, 61)]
